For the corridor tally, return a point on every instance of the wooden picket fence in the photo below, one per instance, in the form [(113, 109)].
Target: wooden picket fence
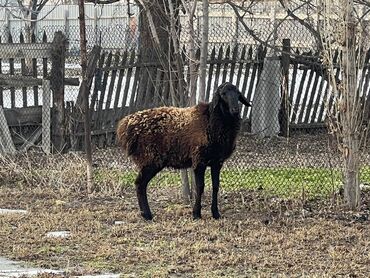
[(31, 75), (310, 98), (121, 86)]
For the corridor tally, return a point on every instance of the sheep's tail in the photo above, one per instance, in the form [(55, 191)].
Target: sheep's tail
[(126, 138)]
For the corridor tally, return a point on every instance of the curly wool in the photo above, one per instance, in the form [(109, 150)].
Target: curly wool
[(165, 136)]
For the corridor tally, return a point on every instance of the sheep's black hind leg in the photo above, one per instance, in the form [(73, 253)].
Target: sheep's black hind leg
[(215, 173), (199, 180), (142, 180)]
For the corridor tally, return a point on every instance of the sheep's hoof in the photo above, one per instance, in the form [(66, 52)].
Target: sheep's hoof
[(147, 216), (216, 215), (196, 215)]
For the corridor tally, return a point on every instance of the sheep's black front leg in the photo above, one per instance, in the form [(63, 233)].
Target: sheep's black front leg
[(199, 180), (142, 180), (215, 173)]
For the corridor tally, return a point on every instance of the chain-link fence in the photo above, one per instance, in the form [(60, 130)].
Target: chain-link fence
[(303, 164)]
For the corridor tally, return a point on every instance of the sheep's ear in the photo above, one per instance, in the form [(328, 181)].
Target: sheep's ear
[(216, 99), (243, 100)]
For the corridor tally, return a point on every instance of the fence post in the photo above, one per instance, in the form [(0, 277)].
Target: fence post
[(7, 23), (284, 112), (57, 73), (95, 26), (46, 94), (66, 23), (266, 102), (6, 141)]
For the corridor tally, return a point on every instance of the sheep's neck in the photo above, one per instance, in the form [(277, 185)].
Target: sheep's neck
[(223, 129)]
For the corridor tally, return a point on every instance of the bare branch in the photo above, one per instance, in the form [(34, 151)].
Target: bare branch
[(304, 23), (102, 2), (150, 21)]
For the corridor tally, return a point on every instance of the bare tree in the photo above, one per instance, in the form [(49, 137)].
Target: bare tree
[(204, 51), (342, 28), (334, 24), (85, 94), (28, 11), (159, 42)]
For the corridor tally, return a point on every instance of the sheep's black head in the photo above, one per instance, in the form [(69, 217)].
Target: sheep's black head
[(227, 97)]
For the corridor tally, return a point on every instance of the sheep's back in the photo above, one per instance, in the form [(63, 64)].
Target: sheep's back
[(167, 136)]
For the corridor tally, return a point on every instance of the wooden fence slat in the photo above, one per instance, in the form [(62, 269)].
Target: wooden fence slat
[(134, 86), (166, 92), (140, 96), (218, 68), (127, 84), (247, 69), (12, 89), (366, 75), (109, 117), (150, 90), (252, 83), (34, 74), (44, 60), (284, 110), (310, 106), (112, 80), (233, 63), (11, 72), (240, 67), (306, 95), (46, 116), (6, 141), (1, 88), (325, 103), (297, 107), (119, 92), (97, 86), (337, 72), (158, 87), (320, 93), (226, 65), (24, 72), (292, 88), (121, 74), (210, 73), (99, 120)]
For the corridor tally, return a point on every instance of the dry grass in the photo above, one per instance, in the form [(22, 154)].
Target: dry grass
[(258, 235)]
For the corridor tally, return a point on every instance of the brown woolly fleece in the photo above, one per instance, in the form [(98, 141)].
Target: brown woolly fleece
[(165, 136)]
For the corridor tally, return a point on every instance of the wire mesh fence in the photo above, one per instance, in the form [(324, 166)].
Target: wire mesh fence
[(305, 164)]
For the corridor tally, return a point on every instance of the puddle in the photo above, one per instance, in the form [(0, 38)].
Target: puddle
[(9, 268)]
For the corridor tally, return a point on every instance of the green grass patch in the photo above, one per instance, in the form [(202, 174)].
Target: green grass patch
[(283, 182)]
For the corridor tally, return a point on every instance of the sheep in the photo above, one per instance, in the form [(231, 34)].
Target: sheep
[(198, 136)]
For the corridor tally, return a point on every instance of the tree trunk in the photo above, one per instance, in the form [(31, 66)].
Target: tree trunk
[(159, 31), (192, 87), (204, 52), (57, 75), (351, 176), (350, 112), (85, 94)]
